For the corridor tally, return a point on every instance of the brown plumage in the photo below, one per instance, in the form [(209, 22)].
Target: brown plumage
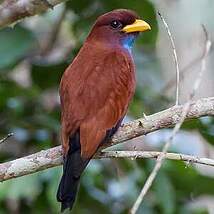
[(95, 92)]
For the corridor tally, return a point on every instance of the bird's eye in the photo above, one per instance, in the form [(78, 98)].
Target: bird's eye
[(116, 24)]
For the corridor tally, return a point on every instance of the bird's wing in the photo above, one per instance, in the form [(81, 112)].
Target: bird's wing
[(95, 97)]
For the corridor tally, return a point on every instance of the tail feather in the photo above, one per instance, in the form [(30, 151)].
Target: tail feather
[(73, 167)]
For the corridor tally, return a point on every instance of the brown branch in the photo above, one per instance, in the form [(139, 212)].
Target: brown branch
[(164, 119), (12, 11)]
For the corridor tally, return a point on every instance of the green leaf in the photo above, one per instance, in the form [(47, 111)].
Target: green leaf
[(165, 193), (46, 76), (188, 181), (204, 125), (23, 187), (14, 44), (54, 178)]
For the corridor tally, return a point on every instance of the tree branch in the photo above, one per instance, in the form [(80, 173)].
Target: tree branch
[(14, 10), (164, 119), (154, 154)]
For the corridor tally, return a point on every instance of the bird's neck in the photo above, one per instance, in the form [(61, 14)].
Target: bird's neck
[(124, 43), (128, 42)]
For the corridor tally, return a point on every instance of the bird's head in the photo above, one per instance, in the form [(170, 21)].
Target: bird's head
[(118, 28)]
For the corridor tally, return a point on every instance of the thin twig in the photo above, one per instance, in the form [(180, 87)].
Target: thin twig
[(5, 138), (154, 154), (175, 58), (185, 110)]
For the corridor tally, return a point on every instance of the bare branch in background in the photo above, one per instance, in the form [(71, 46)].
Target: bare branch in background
[(164, 119), (5, 138), (175, 58), (52, 36), (207, 47), (154, 154), (12, 11), (171, 82), (177, 127)]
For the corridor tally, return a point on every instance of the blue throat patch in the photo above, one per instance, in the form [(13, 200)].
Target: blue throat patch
[(128, 42)]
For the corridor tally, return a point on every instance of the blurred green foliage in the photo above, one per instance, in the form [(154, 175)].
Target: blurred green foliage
[(108, 186), (12, 48)]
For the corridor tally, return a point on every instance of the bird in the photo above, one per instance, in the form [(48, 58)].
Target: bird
[(95, 92)]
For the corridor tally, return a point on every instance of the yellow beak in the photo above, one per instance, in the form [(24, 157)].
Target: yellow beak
[(138, 26)]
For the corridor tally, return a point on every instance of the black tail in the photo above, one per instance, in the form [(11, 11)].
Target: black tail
[(72, 169)]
